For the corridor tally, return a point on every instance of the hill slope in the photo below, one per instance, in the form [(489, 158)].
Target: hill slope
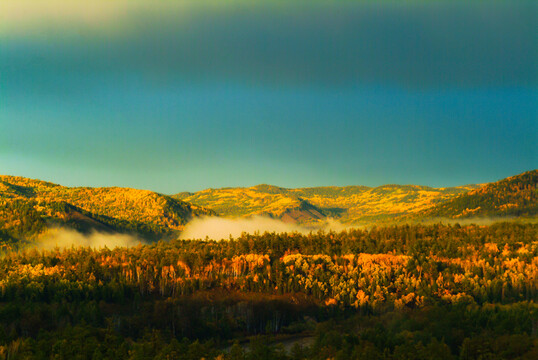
[(259, 200), (513, 196), (350, 204), (28, 207)]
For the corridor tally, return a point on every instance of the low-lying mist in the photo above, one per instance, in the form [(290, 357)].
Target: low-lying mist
[(217, 228), (66, 238)]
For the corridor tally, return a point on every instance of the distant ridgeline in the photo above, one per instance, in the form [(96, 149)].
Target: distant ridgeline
[(28, 207), (349, 204), (514, 196)]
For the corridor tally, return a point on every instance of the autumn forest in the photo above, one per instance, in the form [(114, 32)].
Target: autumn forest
[(432, 281), (392, 292)]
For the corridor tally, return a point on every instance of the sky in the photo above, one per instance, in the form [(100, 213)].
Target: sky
[(188, 95)]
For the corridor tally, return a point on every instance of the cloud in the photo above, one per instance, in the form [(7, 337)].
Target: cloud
[(42, 16), (418, 46), (21, 14), (218, 228), (66, 238), (36, 17)]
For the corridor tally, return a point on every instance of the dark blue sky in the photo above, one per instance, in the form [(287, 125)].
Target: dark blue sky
[(293, 95)]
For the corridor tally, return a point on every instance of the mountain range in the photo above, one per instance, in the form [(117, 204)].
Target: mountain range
[(28, 207)]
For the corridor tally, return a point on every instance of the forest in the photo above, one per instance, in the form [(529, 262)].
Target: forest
[(398, 292)]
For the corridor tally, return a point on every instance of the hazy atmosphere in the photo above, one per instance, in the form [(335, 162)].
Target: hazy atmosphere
[(199, 94)]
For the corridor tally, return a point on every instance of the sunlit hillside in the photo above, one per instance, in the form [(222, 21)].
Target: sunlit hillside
[(28, 206), (349, 204), (513, 196)]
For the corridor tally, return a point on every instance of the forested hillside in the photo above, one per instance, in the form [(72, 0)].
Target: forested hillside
[(28, 207), (406, 292), (513, 196), (349, 204)]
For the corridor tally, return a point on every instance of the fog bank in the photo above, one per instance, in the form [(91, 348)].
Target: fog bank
[(218, 228), (66, 238)]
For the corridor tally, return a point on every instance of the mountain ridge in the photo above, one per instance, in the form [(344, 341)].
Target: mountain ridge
[(347, 203), (29, 206), (356, 204)]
